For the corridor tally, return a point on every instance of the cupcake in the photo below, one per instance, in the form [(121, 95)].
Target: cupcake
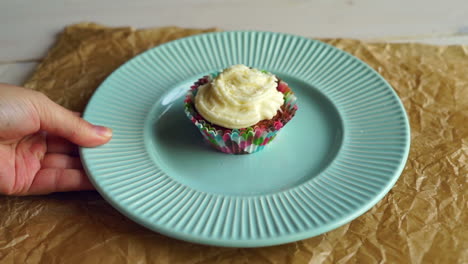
[(240, 110)]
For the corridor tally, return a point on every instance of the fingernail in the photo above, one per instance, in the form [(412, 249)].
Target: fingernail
[(103, 131)]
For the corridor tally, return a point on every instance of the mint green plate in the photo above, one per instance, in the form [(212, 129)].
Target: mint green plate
[(343, 151)]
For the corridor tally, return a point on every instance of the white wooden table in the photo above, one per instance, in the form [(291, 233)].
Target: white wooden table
[(28, 28)]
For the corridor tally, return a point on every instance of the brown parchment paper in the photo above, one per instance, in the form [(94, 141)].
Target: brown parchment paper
[(423, 219)]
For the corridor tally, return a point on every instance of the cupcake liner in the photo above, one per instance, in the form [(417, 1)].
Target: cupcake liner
[(239, 141)]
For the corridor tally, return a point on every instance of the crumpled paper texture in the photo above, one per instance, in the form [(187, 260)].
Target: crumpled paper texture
[(423, 219)]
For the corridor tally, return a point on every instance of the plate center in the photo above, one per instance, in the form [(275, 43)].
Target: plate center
[(302, 149)]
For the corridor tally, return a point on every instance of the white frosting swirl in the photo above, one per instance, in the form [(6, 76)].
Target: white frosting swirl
[(239, 97)]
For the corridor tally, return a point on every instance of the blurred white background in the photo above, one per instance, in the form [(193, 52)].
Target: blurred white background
[(28, 28)]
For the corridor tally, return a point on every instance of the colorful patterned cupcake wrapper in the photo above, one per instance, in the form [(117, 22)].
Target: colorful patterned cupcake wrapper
[(238, 141)]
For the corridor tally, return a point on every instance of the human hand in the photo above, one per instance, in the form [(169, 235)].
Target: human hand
[(35, 156)]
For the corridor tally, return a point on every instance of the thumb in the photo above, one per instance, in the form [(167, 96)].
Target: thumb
[(62, 122)]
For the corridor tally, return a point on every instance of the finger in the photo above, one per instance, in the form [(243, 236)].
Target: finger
[(60, 145), (62, 122), (54, 160), (59, 180)]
